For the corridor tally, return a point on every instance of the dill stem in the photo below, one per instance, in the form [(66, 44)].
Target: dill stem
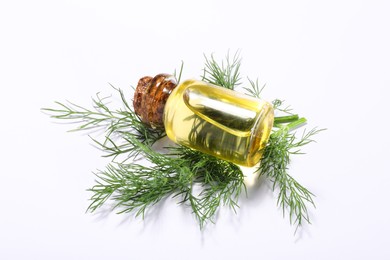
[(285, 119), (297, 123)]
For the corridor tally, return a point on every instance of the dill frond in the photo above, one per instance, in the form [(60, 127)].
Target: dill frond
[(293, 197), (225, 74)]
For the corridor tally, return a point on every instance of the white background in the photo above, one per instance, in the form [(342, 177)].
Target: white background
[(329, 59)]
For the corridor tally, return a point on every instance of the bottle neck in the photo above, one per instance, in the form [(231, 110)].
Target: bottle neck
[(150, 98)]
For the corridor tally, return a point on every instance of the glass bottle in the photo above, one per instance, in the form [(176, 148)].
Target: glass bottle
[(208, 118)]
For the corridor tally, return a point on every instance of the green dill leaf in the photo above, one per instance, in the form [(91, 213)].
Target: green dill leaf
[(225, 74), (254, 89), (293, 197), (178, 77)]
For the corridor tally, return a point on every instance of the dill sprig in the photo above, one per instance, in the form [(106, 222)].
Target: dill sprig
[(293, 197), (200, 181), (135, 187), (117, 124), (225, 74), (254, 89), (283, 142), (221, 183)]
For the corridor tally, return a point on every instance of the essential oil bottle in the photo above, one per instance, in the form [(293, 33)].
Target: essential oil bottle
[(208, 118)]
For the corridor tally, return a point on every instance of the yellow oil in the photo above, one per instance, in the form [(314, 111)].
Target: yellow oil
[(218, 121)]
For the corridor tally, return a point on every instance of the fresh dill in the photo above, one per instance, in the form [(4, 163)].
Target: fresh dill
[(254, 89), (198, 180), (225, 74), (118, 124), (283, 142), (293, 196)]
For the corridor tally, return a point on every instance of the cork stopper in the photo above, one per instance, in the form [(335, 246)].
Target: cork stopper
[(150, 97)]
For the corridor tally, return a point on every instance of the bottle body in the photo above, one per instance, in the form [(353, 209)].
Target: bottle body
[(218, 121)]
